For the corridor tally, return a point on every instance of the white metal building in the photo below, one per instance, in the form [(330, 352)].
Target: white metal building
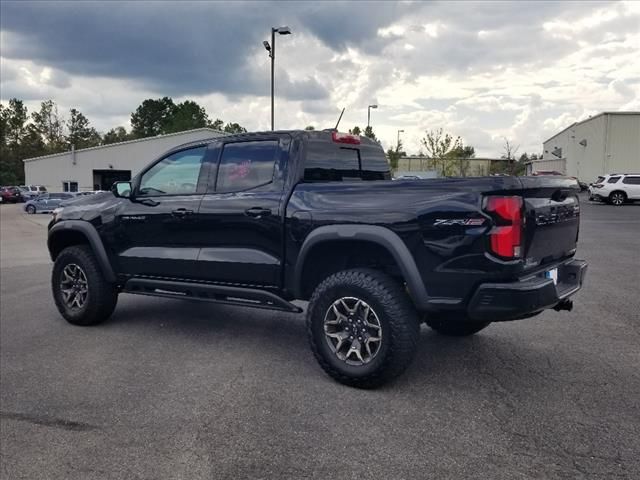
[(605, 143), (97, 168)]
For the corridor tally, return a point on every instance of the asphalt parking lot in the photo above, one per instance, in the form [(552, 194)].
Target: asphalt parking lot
[(174, 390)]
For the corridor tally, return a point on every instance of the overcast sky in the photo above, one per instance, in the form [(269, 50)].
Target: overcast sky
[(483, 71)]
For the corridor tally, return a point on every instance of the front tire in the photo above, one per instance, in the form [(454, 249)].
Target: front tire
[(362, 327), (31, 209), (80, 291), (454, 327)]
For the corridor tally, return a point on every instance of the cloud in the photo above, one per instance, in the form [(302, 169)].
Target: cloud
[(482, 70)]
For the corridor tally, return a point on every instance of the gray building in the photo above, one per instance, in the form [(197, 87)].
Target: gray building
[(605, 143), (97, 168), (470, 167)]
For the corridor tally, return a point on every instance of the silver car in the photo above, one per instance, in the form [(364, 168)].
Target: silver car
[(46, 202)]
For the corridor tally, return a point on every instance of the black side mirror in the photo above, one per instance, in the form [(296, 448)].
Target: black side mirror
[(122, 189)]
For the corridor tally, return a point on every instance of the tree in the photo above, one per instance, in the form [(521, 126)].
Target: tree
[(152, 117), (18, 140), (395, 154), (217, 125), (115, 135), (309, 127), (13, 122), (460, 156), (355, 131), (81, 134), (439, 146), (234, 128), (368, 132), (50, 126), (186, 116), (510, 150)]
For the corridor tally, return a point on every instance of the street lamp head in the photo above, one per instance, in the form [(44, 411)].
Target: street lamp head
[(283, 30), (400, 131), (373, 106), (266, 46)]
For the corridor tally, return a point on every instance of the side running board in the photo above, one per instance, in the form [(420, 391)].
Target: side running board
[(247, 297)]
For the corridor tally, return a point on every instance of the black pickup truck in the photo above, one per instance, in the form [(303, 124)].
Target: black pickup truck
[(262, 219)]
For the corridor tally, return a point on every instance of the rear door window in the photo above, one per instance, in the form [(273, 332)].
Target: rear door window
[(246, 165), (631, 180)]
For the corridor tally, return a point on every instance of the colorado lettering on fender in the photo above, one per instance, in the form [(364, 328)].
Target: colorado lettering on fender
[(467, 222)]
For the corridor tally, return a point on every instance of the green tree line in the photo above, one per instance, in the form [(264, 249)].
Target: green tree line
[(449, 156), (46, 131)]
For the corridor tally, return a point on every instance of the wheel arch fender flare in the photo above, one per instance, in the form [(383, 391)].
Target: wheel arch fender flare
[(382, 236), (93, 239)]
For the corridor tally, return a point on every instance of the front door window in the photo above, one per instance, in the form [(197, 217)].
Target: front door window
[(176, 174)]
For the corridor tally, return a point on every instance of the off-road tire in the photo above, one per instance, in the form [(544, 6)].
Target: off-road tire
[(454, 327), (397, 316), (101, 297)]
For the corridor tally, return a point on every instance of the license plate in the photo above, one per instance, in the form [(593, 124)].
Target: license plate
[(552, 274)]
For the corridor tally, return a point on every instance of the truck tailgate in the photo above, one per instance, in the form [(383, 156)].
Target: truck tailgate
[(552, 219)]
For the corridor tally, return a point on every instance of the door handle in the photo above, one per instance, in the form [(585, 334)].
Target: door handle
[(258, 212), (181, 212)]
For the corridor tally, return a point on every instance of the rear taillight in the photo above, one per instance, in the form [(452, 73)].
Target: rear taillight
[(597, 185), (506, 236), (345, 138)]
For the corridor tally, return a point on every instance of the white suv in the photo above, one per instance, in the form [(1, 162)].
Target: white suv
[(616, 188)]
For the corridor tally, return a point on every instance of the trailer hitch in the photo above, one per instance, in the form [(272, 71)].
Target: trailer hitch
[(564, 305)]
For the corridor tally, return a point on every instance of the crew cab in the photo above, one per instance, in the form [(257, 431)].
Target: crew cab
[(263, 219)]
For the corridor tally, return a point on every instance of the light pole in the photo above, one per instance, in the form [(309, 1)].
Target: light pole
[(369, 113), (398, 143), (272, 53)]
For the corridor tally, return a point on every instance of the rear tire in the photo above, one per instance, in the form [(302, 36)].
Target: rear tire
[(454, 327), (617, 198), (362, 327), (80, 291)]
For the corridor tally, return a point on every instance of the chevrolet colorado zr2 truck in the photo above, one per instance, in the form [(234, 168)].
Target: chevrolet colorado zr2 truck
[(262, 219)]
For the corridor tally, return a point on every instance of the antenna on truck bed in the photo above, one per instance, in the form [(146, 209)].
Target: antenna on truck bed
[(339, 118)]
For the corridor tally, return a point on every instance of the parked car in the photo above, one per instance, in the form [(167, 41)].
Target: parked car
[(46, 202), (616, 188), (30, 192), (261, 219), (11, 194), (90, 192)]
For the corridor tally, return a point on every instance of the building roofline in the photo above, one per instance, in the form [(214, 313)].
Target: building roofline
[(126, 142), (415, 157), (593, 117), (538, 160)]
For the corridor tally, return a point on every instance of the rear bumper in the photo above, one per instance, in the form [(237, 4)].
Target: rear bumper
[(509, 301)]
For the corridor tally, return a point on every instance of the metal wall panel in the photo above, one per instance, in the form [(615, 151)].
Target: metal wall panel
[(604, 144), (51, 171)]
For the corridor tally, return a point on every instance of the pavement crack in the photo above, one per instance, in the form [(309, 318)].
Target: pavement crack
[(49, 421)]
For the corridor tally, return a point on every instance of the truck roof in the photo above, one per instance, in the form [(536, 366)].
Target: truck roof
[(311, 134)]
